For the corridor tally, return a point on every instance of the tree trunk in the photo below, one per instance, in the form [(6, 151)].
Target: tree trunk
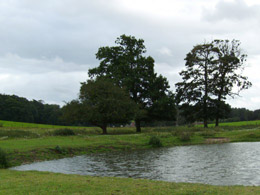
[(217, 114), (138, 125), (219, 105), (205, 122), (205, 98), (104, 128)]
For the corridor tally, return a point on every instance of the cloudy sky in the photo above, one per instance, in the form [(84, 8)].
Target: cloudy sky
[(47, 47)]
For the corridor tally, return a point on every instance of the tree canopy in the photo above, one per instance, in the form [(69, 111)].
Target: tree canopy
[(212, 71), (196, 88), (14, 108), (101, 103), (228, 72), (127, 66)]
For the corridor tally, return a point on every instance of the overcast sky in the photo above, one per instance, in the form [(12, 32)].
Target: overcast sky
[(47, 47)]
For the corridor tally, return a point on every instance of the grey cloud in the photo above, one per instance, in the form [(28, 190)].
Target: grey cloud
[(52, 44), (235, 10), (12, 63), (52, 87), (51, 29)]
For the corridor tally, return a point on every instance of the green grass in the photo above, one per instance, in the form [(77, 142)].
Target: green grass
[(240, 123), (33, 125), (29, 149), (31, 182)]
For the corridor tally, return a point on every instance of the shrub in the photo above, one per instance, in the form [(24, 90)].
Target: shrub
[(252, 135), (155, 141), (1, 124), (63, 132), (207, 133), (3, 159), (17, 133), (59, 150), (185, 136)]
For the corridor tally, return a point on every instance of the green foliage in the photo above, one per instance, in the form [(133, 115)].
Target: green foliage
[(129, 68), (14, 108), (155, 141), (210, 76), (101, 103), (208, 133), (225, 73), (185, 136), (17, 134), (1, 124), (63, 132), (59, 150), (195, 90), (253, 136), (3, 159)]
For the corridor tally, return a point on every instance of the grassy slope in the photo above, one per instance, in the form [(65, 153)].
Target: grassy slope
[(33, 125), (240, 123), (14, 182)]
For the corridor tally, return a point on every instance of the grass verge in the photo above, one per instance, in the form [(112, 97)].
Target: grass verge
[(31, 182)]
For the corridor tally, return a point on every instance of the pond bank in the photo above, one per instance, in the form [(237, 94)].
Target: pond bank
[(27, 150), (32, 182)]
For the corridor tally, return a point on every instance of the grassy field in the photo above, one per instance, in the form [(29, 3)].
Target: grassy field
[(30, 125), (14, 182), (240, 123), (27, 144), (34, 125)]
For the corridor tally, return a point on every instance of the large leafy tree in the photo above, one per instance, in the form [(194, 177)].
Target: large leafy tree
[(228, 72), (126, 64), (100, 103), (196, 88), (212, 72)]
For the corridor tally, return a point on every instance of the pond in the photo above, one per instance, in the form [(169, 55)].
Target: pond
[(217, 164)]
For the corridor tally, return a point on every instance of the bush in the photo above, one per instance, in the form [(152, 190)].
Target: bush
[(155, 141), (252, 135), (3, 159), (185, 136), (59, 150), (208, 133), (63, 132), (17, 133)]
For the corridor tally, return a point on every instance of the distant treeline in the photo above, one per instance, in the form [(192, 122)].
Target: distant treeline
[(14, 108), (242, 114)]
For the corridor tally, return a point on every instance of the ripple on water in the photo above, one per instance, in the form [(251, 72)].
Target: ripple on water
[(218, 164)]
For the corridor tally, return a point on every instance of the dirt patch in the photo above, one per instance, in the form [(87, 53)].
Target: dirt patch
[(217, 140)]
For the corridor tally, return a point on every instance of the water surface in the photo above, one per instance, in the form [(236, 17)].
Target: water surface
[(218, 164)]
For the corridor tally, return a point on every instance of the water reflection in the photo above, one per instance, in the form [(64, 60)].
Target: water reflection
[(219, 164)]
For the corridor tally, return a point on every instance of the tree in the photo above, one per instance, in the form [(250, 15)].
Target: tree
[(212, 71), (126, 65), (101, 103), (196, 88), (228, 72)]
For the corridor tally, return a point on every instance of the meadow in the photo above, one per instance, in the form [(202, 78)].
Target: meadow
[(24, 143)]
